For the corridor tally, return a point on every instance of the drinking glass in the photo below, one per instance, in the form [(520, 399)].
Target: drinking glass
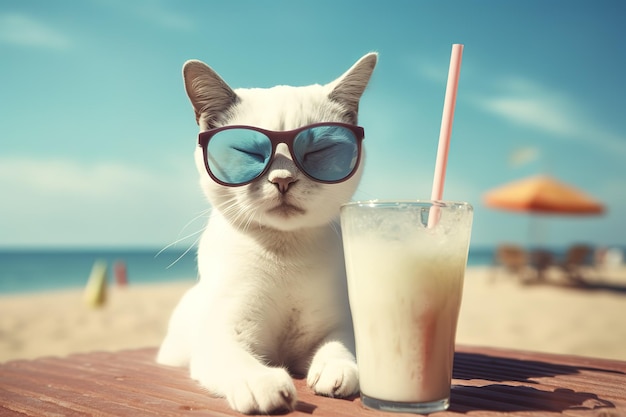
[(405, 282)]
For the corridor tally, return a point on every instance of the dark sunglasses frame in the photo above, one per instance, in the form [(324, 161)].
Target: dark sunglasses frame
[(276, 137)]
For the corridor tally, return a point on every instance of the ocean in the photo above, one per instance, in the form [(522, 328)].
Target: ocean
[(42, 270)]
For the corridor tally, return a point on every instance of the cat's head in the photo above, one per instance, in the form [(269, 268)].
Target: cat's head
[(283, 198)]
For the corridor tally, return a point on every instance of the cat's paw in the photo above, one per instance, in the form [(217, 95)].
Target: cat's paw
[(266, 391), (333, 377)]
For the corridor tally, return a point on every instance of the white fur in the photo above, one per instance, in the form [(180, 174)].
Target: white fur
[(272, 298)]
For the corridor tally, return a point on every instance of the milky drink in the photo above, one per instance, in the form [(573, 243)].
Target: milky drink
[(405, 283), (405, 310)]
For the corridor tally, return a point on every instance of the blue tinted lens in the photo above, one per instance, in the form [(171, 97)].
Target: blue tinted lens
[(327, 153), (236, 156)]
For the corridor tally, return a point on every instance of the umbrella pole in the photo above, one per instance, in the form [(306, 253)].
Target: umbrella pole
[(537, 233)]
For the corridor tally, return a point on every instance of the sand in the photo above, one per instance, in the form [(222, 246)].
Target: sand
[(497, 311)]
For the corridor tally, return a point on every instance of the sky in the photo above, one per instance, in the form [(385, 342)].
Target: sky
[(97, 135)]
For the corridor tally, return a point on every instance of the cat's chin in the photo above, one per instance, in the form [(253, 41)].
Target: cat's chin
[(285, 211), (287, 217)]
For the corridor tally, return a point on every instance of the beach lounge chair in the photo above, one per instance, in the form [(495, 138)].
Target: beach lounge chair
[(576, 258), (514, 260), (541, 260)]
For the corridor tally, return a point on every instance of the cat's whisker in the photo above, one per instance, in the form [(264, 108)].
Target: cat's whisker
[(189, 248), (230, 209), (186, 251), (180, 239), (225, 205), (247, 216), (251, 219), (336, 228), (177, 241), (240, 214), (202, 214)]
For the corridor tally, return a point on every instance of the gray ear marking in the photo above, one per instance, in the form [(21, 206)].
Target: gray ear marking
[(349, 88), (210, 96)]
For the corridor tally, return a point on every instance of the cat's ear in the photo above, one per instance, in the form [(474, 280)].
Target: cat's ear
[(210, 96), (348, 88)]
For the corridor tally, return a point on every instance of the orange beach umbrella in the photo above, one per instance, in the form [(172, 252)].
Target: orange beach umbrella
[(542, 194)]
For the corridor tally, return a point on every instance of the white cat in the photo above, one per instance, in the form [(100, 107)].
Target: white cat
[(271, 298)]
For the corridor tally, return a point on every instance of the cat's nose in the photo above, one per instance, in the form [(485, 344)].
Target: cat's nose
[(282, 183)]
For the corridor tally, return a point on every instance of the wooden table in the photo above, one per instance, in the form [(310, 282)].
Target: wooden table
[(487, 382)]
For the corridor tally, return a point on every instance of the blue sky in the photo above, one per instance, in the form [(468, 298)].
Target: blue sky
[(97, 135)]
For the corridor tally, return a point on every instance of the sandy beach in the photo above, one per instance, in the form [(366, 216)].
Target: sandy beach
[(497, 311)]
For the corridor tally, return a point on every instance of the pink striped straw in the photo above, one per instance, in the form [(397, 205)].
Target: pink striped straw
[(446, 130)]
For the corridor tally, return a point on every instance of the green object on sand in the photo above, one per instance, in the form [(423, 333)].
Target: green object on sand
[(96, 288)]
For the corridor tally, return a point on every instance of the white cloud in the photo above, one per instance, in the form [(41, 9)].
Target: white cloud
[(529, 104), (156, 12), (62, 177), (524, 155), (533, 112), (435, 71), (431, 71), (23, 30), (526, 103), (65, 202)]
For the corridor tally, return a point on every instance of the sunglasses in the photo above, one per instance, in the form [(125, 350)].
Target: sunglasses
[(325, 152)]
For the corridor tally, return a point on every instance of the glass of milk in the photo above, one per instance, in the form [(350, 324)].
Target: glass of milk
[(405, 281)]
